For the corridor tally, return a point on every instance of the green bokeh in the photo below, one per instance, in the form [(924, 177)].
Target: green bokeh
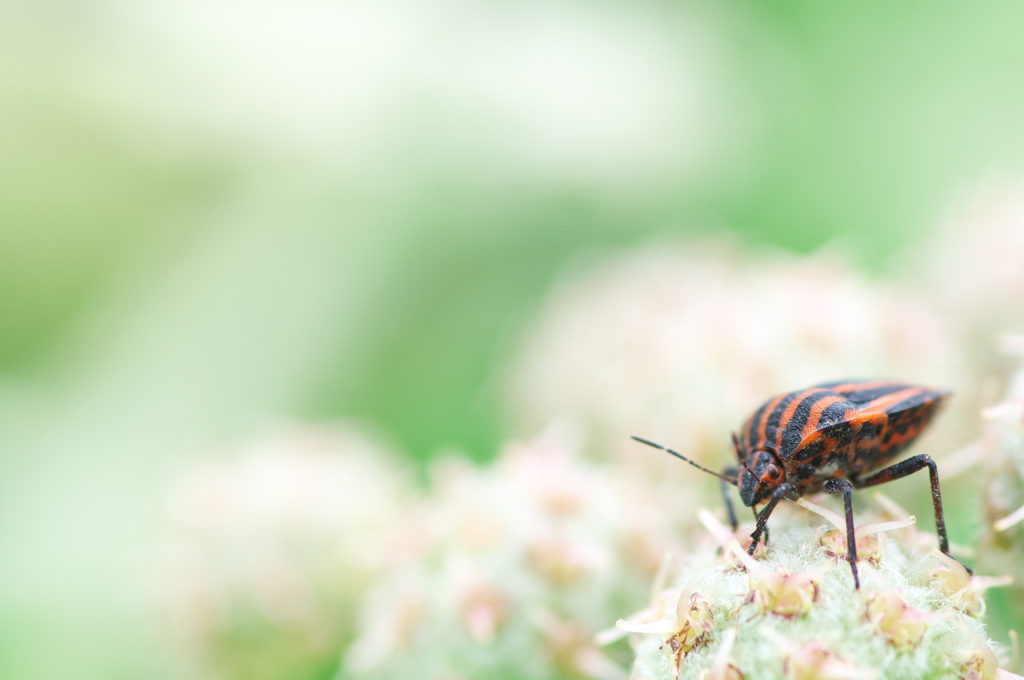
[(853, 125)]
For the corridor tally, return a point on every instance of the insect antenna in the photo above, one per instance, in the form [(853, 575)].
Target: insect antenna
[(736, 447), (682, 457)]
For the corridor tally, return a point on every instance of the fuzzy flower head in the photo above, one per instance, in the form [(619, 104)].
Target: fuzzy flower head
[(796, 614), (679, 344), (889, 614), (270, 547), (514, 566)]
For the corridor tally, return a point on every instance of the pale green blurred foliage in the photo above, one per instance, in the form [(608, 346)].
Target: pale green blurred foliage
[(215, 214)]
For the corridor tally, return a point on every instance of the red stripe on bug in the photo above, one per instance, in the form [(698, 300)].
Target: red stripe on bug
[(883, 404), (811, 428)]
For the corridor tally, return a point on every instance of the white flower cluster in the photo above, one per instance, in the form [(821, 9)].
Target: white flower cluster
[(679, 343), (792, 611), (270, 549), (515, 567)]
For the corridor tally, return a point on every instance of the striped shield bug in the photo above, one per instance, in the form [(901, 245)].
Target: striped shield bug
[(829, 438)]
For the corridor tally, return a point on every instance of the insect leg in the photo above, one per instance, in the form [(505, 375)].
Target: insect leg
[(729, 472), (756, 517), (844, 487), (908, 467), (784, 490)]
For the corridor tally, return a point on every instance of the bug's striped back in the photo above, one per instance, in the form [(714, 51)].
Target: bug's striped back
[(842, 428)]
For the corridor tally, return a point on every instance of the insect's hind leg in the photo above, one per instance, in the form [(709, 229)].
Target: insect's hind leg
[(844, 487), (729, 509), (909, 467)]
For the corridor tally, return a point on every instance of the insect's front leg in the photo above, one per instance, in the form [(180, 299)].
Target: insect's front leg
[(729, 472), (784, 490), (908, 467), (756, 517), (844, 487)]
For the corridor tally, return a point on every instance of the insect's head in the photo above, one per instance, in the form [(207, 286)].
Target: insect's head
[(762, 472)]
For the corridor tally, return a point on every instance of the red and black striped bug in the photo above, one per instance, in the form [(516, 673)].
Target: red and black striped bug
[(827, 438)]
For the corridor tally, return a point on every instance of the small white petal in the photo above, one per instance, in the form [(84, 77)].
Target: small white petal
[(832, 517), (1016, 517), (879, 527), (661, 626)]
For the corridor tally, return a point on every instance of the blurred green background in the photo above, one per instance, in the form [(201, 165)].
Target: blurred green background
[(215, 214)]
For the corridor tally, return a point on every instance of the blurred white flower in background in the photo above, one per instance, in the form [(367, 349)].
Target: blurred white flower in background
[(976, 259), (515, 567), (270, 549), (681, 343), (973, 268)]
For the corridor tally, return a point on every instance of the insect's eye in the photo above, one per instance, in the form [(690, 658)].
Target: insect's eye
[(772, 473)]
